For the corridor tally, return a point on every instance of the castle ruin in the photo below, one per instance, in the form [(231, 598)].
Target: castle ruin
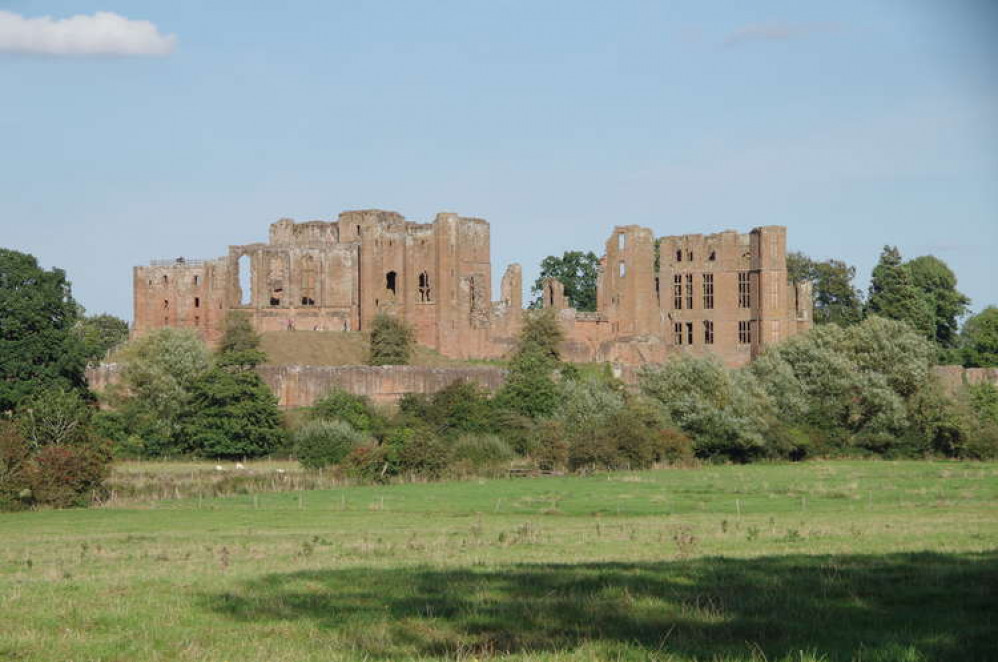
[(725, 294)]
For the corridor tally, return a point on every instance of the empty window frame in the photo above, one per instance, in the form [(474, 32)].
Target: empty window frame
[(677, 292), (689, 256), (425, 295), (677, 333), (744, 290), (623, 270), (689, 291), (708, 332), (679, 255), (308, 281), (197, 302), (391, 281), (708, 291), (744, 332), (197, 280), (689, 333)]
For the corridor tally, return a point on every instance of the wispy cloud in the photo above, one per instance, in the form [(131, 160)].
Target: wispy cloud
[(777, 31), (104, 33)]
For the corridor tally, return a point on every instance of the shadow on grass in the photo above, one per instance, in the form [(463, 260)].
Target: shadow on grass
[(901, 607)]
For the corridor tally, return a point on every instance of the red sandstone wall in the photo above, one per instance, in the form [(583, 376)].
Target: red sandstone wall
[(300, 386)]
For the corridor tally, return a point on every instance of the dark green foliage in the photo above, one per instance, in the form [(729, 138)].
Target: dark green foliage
[(341, 405), (38, 348), (979, 339), (835, 298), (894, 295), (240, 345), (99, 334), (423, 454), (530, 389), (231, 415), (459, 407), (15, 456), (392, 341), (320, 443), (369, 463), (577, 271), (937, 284), (551, 445)]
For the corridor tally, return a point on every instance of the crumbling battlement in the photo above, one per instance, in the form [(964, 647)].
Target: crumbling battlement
[(725, 294)]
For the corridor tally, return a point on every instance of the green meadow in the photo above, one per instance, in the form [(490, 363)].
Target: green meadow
[(836, 561)]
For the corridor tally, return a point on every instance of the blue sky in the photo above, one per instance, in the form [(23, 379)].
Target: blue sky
[(854, 123)]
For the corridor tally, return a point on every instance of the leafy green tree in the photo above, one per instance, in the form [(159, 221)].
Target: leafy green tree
[(99, 334), (341, 405), (937, 283), (392, 341), (530, 388), (319, 443), (835, 299), (240, 345), (894, 295), (158, 371), (979, 339), (577, 271), (231, 415), (38, 348)]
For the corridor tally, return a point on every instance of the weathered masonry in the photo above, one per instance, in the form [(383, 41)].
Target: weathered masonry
[(726, 293)]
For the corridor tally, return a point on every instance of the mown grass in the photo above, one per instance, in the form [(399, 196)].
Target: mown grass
[(820, 561)]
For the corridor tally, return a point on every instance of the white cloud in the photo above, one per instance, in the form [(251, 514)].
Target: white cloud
[(776, 31), (104, 33)]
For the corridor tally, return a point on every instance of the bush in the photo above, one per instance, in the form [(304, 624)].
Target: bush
[(482, 451), (15, 456), (65, 476), (424, 454), (231, 415), (392, 341), (369, 463), (54, 416), (550, 448), (341, 405), (320, 443)]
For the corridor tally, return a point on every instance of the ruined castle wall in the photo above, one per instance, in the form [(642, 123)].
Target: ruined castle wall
[(301, 386)]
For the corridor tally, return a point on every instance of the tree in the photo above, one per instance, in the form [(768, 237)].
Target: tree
[(937, 283), (99, 334), (835, 299), (894, 295), (240, 346), (980, 339), (530, 388), (38, 349), (158, 371), (577, 271), (392, 341), (231, 415)]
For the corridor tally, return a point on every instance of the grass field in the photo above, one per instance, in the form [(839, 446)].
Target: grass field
[(864, 561)]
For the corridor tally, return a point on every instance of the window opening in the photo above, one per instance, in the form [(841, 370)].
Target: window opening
[(424, 288), (708, 332), (197, 302), (744, 333), (308, 281), (689, 333), (679, 256), (243, 267), (677, 292), (708, 291), (390, 281), (677, 337), (689, 291), (623, 270), (744, 290)]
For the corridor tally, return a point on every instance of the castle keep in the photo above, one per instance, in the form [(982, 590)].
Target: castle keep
[(726, 293)]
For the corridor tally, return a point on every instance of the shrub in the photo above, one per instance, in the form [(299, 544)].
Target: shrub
[(341, 405), (64, 476), (674, 447), (232, 415), (369, 463), (482, 451), (530, 389), (392, 341), (320, 443), (15, 456), (459, 407), (550, 448), (424, 454)]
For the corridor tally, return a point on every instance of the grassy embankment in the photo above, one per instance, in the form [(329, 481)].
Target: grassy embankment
[(820, 561)]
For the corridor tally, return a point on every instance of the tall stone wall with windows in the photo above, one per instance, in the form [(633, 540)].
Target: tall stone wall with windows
[(725, 294)]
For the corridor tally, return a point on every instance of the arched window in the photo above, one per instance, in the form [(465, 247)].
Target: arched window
[(424, 288)]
